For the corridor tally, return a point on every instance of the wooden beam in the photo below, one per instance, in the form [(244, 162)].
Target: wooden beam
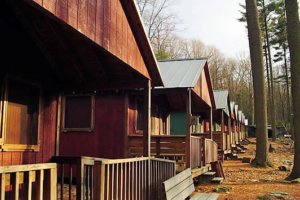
[(147, 120), (211, 123), (222, 121), (188, 128), (126, 122)]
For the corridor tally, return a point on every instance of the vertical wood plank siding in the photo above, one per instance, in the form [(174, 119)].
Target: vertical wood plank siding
[(104, 22)]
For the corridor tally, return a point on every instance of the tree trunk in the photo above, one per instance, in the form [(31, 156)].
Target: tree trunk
[(293, 29), (289, 116), (271, 87), (258, 74)]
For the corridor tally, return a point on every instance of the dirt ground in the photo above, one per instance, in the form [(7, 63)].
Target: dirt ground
[(249, 182)]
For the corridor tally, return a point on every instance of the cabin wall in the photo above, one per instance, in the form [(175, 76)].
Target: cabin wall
[(160, 120), (104, 22), (202, 89), (47, 132), (108, 138)]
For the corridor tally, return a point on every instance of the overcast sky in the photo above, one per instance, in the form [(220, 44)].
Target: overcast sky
[(214, 22)]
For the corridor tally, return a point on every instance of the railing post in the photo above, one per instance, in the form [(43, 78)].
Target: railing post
[(2, 188), (80, 180), (188, 129)]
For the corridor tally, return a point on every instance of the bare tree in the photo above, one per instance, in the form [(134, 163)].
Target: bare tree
[(160, 24)]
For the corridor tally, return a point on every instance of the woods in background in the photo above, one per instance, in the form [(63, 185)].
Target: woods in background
[(230, 73)]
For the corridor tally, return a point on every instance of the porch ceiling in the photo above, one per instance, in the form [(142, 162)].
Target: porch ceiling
[(70, 59), (177, 100)]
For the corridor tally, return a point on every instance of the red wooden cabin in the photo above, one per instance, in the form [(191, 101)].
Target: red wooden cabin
[(176, 109), (221, 120), (68, 70)]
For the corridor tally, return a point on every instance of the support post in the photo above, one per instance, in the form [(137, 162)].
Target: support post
[(222, 131), (222, 122), (147, 135), (147, 122), (188, 129)]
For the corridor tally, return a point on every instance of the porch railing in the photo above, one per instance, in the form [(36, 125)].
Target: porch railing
[(211, 151), (196, 152), (170, 147), (167, 147), (115, 179), (35, 181)]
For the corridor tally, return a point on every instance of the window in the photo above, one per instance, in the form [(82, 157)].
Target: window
[(78, 113), (20, 115), (139, 120)]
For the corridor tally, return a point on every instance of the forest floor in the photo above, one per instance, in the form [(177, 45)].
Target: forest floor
[(245, 181)]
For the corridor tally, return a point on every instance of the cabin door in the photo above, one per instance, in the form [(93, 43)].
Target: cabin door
[(178, 123)]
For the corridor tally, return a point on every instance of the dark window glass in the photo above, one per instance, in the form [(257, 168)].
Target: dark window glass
[(78, 112), (140, 115)]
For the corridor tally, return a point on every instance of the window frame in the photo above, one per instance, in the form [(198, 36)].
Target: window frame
[(3, 117), (92, 125), (137, 130)]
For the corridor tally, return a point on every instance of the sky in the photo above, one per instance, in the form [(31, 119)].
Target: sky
[(214, 22)]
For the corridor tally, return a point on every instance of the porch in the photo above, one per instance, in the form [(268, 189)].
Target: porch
[(87, 178), (174, 147)]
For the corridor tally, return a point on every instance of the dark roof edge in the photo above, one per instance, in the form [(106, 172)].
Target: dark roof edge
[(138, 30), (183, 59)]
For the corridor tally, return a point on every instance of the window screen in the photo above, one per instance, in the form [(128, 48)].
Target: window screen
[(78, 112)]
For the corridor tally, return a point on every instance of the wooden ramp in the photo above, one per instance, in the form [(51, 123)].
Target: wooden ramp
[(205, 196)]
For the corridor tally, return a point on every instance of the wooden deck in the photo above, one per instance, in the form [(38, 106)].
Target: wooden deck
[(133, 178), (203, 151)]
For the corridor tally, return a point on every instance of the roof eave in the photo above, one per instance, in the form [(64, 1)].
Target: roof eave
[(136, 24)]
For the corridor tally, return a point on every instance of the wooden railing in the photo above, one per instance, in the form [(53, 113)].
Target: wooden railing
[(220, 139), (79, 169), (134, 178), (167, 147), (35, 181), (196, 152), (211, 151)]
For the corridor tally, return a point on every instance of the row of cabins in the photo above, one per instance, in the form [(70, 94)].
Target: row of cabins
[(82, 96)]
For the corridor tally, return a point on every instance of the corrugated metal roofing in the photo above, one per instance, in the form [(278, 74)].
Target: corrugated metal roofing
[(181, 73), (221, 99)]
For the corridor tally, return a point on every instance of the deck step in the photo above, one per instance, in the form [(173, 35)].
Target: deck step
[(217, 180), (205, 196), (209, 174)]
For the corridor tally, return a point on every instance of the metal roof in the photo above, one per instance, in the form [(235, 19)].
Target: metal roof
[(240, 115), (181, 73), (221, 99)]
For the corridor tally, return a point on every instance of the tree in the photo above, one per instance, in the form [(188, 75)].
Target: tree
[(160, 24), (293, 30), (260, 107)]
